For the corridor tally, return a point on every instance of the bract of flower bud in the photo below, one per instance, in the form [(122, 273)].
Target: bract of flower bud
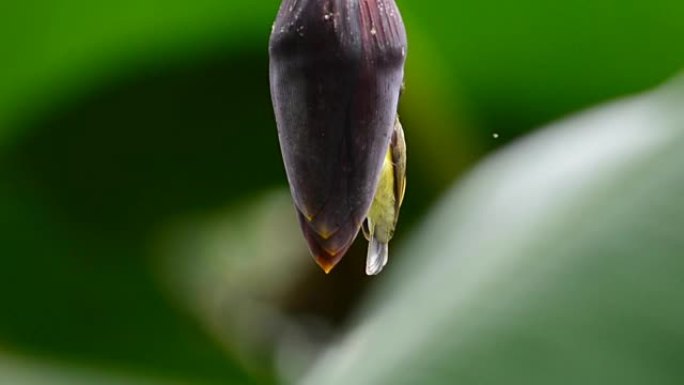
[(336, 71)]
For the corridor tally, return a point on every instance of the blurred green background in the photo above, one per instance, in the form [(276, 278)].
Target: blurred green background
[(147, 235)]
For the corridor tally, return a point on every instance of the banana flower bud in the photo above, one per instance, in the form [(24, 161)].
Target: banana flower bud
[(336, 72)]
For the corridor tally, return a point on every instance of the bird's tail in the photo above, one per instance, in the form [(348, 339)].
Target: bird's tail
[(378, 254)]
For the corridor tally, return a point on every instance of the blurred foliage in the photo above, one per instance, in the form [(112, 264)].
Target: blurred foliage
[(23, 371), (119, 120), (520, 64), (543, 266)]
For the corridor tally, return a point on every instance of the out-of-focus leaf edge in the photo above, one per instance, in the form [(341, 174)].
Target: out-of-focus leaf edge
[(558, 260)]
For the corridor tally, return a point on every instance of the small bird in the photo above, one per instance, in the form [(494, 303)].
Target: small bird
[(378, 228)]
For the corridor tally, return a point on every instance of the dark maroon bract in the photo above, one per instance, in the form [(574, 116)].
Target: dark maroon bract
[(336, 71)]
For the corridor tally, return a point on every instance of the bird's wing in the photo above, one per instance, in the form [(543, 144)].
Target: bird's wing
[(398, 146)]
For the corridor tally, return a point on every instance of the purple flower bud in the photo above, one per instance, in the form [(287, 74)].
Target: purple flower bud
[(336, 71)]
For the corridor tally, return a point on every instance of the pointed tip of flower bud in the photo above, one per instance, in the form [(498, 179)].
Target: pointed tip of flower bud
[(325, 265), (325, 259), (327, 252)]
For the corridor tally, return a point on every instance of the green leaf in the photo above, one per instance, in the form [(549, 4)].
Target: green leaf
[(557, 261), (54, 50), (17, 370), (106, 157), (520, 64)]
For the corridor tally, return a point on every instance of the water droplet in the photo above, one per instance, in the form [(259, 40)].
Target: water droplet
[(300, 30), (373, 31)]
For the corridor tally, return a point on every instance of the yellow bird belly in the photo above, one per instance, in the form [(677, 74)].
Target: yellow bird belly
[(381, 217)]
